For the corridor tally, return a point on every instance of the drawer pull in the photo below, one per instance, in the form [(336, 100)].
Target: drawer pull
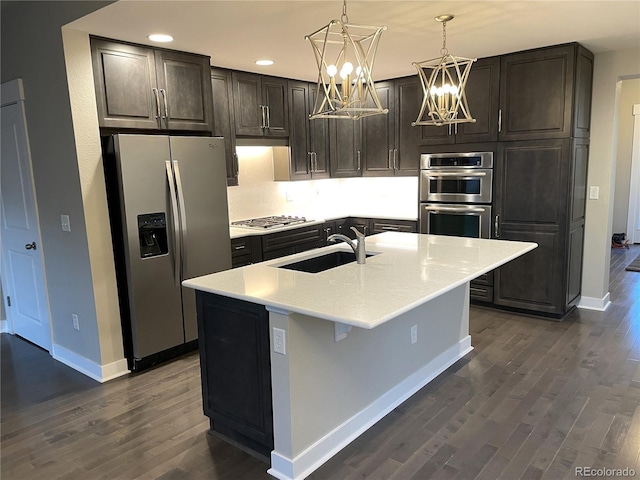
[(387, 227), (239, 247)]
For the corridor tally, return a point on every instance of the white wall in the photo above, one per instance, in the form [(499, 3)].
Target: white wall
[(629, 95), (258, 195), (609, 69), (32, 49)]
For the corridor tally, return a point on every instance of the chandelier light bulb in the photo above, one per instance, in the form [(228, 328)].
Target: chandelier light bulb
[(332, 70)]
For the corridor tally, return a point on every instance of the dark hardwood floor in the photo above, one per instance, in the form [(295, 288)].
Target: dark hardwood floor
[(535, 399)]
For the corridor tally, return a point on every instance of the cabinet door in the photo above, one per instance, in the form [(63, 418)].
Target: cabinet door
[(247, 103), (184, 82), (125, 82), (318, 138), (408, 101), (344, 142), (274, 96), (300, 159), (536, 93), (378, 135), (235, 369), (223, 119), (483, 96), (531, 203)]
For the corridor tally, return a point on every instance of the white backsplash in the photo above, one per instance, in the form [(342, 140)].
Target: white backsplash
[(258, 195)]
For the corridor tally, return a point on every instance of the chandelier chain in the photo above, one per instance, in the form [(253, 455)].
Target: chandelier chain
[(344, 17), (444, 50)]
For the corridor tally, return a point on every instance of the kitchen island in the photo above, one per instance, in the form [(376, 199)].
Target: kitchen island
[(296, 365)]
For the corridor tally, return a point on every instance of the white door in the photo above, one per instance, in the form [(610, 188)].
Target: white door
[(633, 224), (23, 279)]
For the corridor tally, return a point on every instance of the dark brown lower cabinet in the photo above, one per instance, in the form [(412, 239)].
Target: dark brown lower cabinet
[(245, 251), (540, 197), (280, 244), (236, 370)]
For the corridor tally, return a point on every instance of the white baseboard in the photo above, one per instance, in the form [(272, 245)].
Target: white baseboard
[(100, 373), (4, 326), (317, 454), (592, 303)]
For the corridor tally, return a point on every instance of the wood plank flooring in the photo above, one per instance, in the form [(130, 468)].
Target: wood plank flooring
[(534, 400)]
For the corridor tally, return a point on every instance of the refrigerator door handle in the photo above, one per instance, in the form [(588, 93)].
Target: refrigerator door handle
[(176, 229), (183, 212)]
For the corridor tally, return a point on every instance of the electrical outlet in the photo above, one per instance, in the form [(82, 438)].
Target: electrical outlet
[(76, 323), (414, 334), (594, 193), (279, 341), (66, 224)]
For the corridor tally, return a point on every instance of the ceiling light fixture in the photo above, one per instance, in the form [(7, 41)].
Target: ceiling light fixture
[(160, 37), (348, 50), (264, 62), (443, 82)]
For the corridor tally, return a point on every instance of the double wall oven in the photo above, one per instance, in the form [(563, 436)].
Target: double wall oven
[(456, 191), (455, 194)]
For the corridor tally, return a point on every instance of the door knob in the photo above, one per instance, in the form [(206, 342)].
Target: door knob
[(30, 246)]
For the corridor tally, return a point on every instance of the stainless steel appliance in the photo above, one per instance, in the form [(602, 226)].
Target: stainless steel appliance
[(169, 218), (455, 192), (274, 221), (456, 177)]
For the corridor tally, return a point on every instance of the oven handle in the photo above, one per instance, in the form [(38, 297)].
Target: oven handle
[(456, 209), (456, 174)]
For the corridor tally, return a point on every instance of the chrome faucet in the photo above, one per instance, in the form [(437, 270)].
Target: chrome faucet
[(358, 248)]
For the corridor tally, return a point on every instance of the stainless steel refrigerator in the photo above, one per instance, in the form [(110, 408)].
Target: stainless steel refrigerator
[(169, 220)]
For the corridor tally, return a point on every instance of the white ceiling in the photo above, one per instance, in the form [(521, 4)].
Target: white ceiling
[(236, 33)]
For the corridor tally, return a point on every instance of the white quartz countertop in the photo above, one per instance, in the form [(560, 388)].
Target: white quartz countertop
[(408, 270)]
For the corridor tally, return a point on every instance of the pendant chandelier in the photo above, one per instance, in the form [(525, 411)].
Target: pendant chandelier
[(348, 51), (443, 82)]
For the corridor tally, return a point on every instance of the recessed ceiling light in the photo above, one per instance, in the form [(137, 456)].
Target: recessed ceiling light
[(264, 62), (160, 37)]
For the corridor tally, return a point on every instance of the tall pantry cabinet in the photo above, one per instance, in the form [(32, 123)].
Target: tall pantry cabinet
[(541, 175)]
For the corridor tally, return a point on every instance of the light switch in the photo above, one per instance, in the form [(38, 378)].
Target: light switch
[(594, 193), (66, 225)]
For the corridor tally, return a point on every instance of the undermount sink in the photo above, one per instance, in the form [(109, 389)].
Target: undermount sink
[(322, 262)]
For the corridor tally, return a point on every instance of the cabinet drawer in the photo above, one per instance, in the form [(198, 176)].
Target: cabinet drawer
[(379, 226), (484, 279), (245, 251), (240, 246), (292, 238), (481, 292)]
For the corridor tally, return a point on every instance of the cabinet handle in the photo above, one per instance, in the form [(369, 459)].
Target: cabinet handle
[(389, 160), (239, 247), (388, 227), (164, 98), (395, 158), (496, 226), (155, 94), (449, 129), (310, 155), (263, 124), (237, 163), (499, 120), (358, 156), (455, 128), (315, 161)]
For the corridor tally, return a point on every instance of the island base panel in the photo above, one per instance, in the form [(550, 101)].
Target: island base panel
[(327, 393)]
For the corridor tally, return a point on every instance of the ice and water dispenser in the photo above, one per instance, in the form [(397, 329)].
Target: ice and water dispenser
[(152, 232)]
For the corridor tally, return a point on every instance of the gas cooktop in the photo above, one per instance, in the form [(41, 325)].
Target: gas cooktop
[(269, 222)]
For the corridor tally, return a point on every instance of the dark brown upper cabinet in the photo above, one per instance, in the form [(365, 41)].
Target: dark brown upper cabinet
[(546, 93), (408, 101), (141, 87), (261, 105), (378, 135), (223, 119), (483, 95)]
